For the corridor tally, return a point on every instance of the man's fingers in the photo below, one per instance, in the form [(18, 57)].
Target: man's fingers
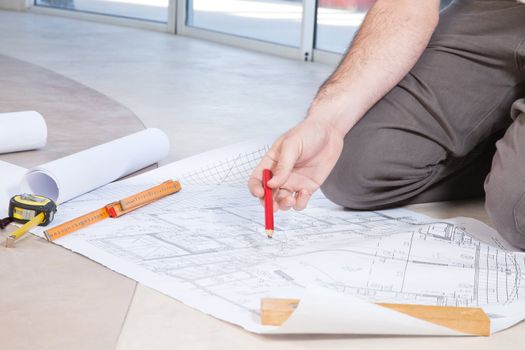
[(284, 199), (255, 182), (301, 199), (281, 158), (256, 187), (289, 152)]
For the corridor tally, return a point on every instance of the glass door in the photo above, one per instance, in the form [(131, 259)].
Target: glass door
[(274, 21), (149, 10)]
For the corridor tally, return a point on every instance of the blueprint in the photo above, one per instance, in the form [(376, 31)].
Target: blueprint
[(206, 246)]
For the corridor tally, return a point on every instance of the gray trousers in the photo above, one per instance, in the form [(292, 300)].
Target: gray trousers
[(433, 136)]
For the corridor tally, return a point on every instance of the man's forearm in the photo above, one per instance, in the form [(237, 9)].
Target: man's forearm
[(389, 43)]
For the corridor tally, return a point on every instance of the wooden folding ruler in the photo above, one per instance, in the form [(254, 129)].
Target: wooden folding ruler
[(115, 209)]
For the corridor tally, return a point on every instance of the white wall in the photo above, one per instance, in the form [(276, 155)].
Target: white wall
[(15, 4)]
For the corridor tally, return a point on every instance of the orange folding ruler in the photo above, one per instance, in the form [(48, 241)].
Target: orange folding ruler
[(115, 209)]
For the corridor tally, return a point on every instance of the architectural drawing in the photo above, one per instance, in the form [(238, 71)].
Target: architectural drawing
[(206, 246)]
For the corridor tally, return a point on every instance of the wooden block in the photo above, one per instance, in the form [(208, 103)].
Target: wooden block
[(468, 320), (473, 321), (275, 311)]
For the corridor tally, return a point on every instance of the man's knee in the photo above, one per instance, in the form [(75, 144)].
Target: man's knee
[(375, 172), (506, 208), (351, 182), (504, 186)]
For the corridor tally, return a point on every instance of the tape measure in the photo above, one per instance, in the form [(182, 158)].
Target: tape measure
[(25, 207)]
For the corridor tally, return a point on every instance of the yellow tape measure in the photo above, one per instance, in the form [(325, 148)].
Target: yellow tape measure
[(25, 207), (30, 210)]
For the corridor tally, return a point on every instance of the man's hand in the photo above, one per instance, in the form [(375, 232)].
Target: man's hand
[(300, 160)]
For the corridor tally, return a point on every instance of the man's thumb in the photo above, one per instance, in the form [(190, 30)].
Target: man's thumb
[(289, 153)]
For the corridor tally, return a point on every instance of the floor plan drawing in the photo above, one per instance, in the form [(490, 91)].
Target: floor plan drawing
[(206, 247)]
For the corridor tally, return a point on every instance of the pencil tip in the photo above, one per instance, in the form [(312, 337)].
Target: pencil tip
[(269, 233)]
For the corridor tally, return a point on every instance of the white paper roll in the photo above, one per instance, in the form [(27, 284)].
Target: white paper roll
[(10, 176), (22, 131), (71, 176)]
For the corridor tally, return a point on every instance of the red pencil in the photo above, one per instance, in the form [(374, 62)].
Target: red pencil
[(268, 203)]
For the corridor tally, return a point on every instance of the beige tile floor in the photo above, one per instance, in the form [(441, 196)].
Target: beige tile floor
[(50, 297), (203, 95)]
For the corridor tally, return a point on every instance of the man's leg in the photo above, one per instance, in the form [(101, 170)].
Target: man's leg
[(505, 185), (431, 137)]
